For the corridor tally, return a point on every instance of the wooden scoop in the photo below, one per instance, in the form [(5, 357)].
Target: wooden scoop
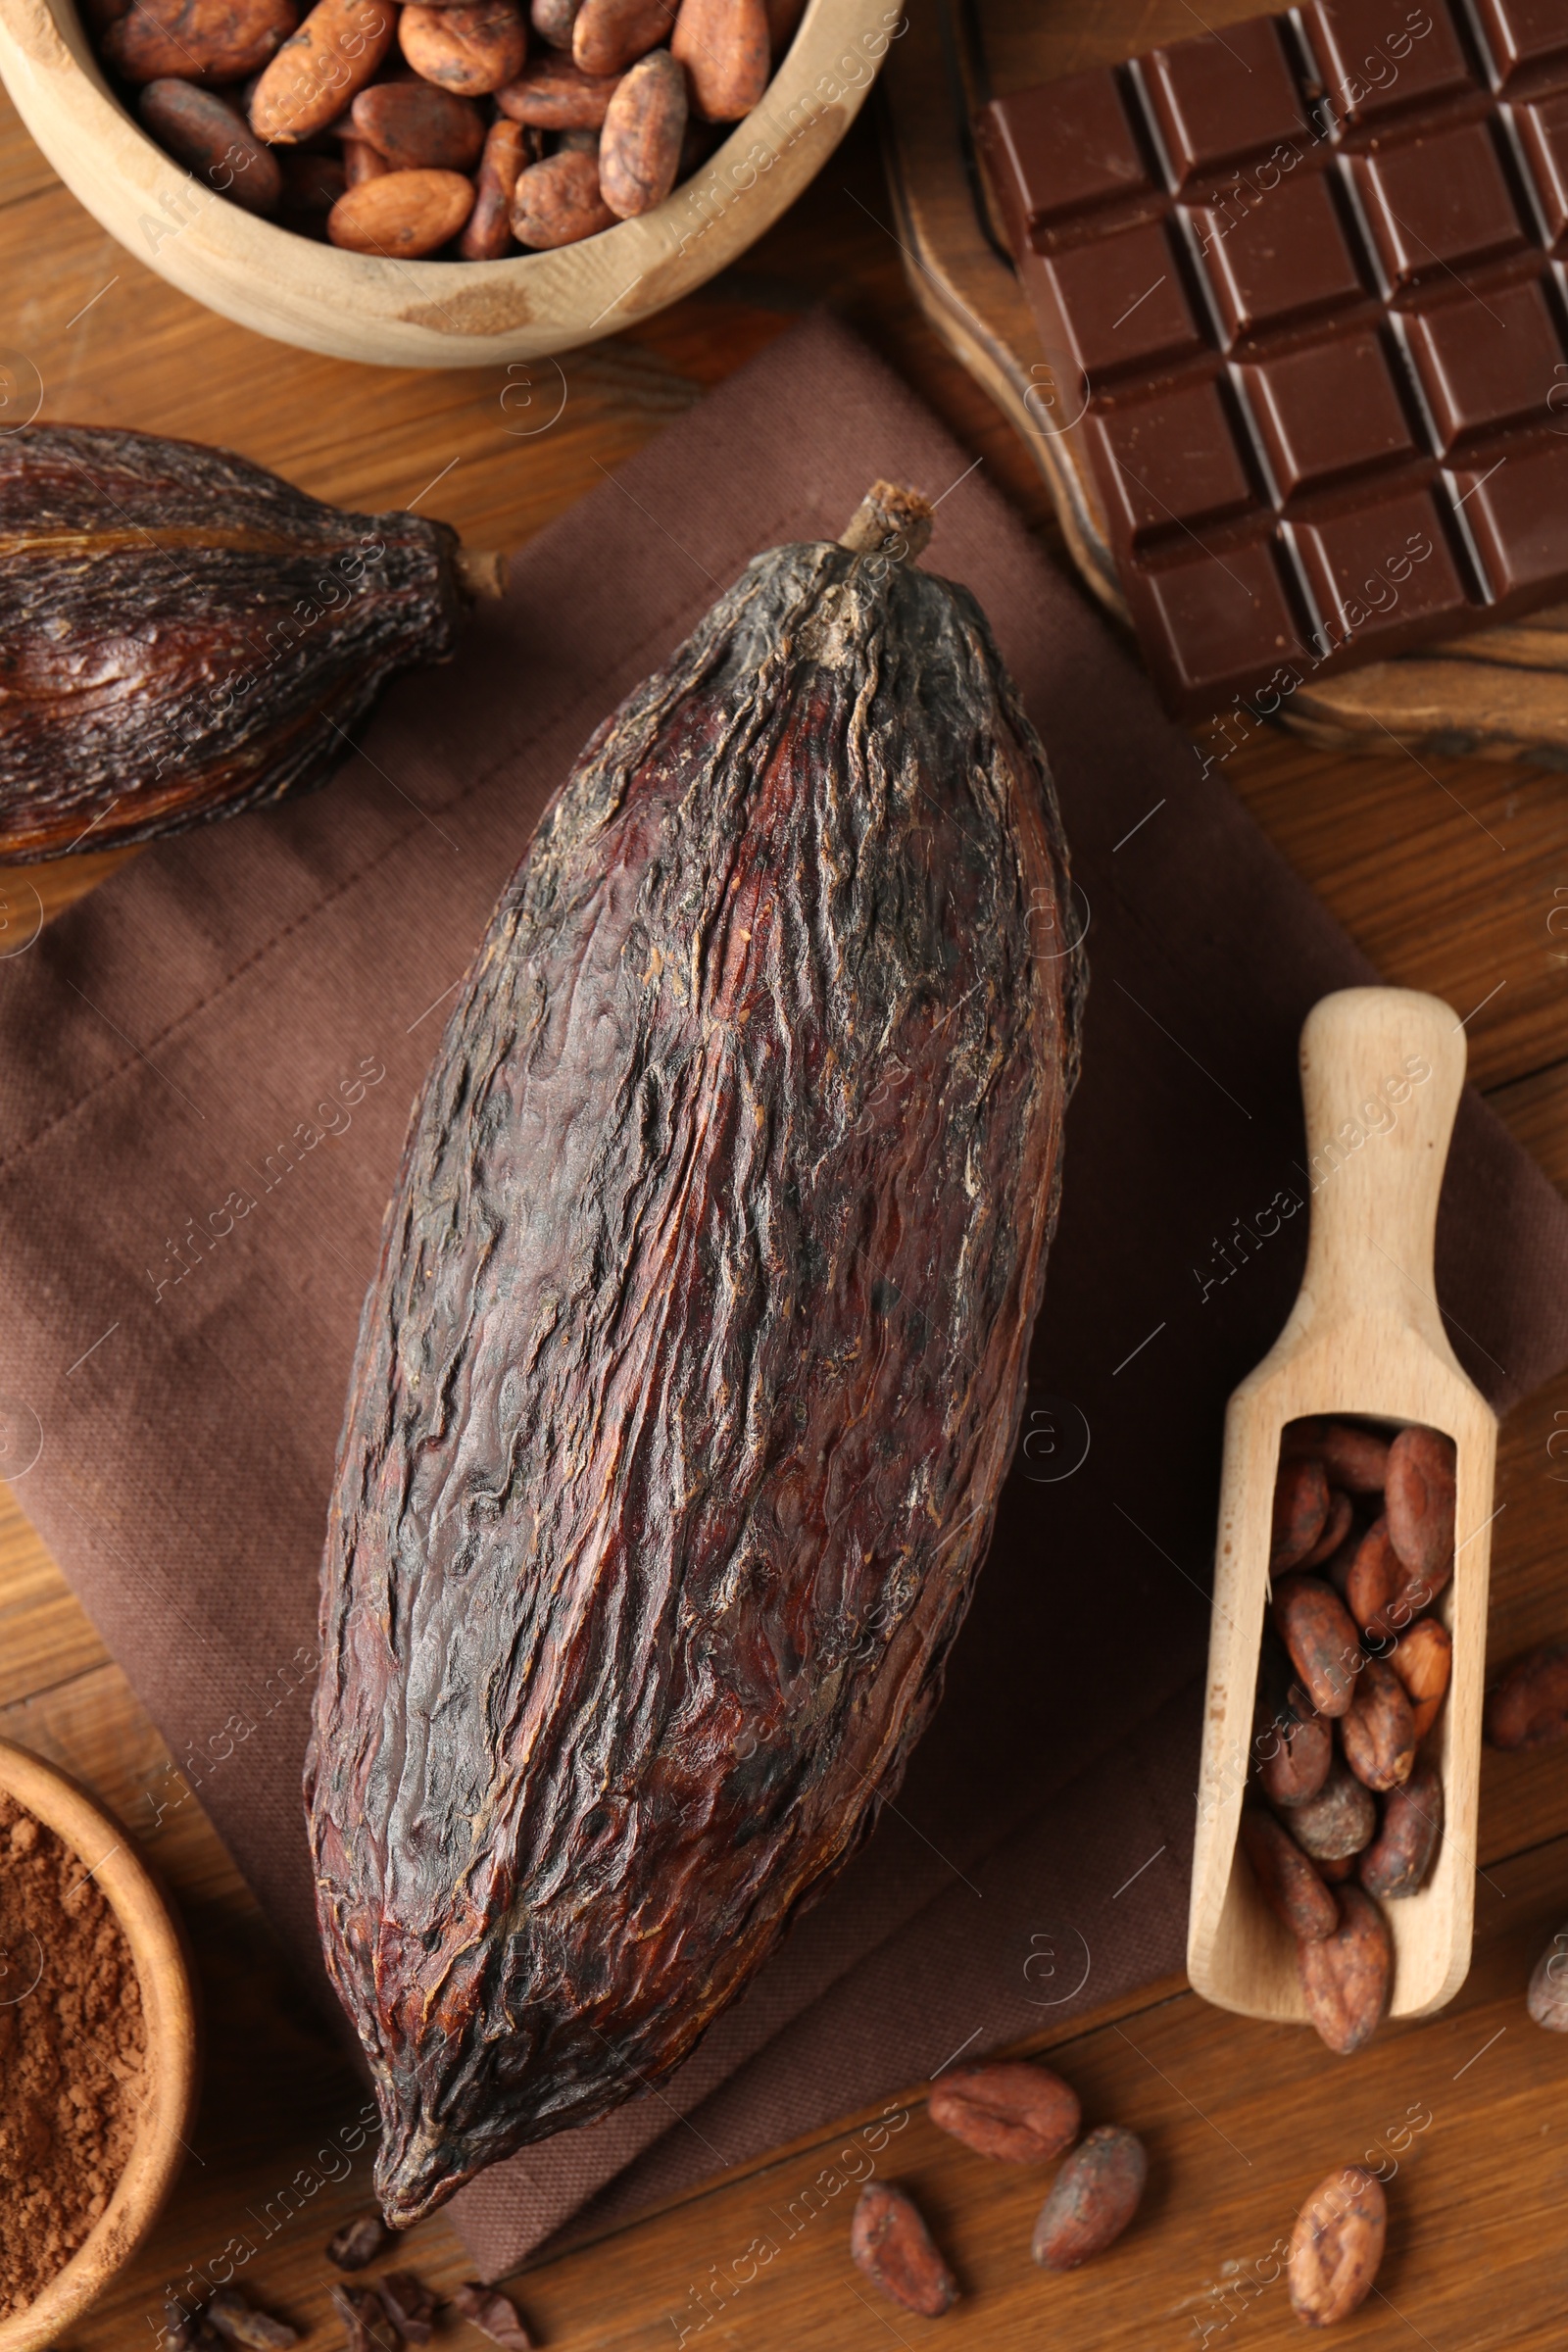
[(1381, 1074)]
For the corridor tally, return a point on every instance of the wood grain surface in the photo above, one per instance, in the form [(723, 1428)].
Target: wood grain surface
[(1453, 876)]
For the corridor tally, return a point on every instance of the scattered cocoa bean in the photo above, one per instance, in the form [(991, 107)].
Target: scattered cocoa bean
[(1092, 2199), (494, 2315), (208, 133), (197, 40), (488, 233), (558, 202), (1418, 1496), (1294, 1754), (362, 162), (1301, 1510), (1336, 2246), (1548, 1998), (358, 2242), (891, 2245), (471, 50), (552, 94), (1339, 1820), (238, 2321), (1378, 1729), (1355, 1458), (639, 147), (317, 70), (418, 128), (1396, 1862), (553, 21), (1528, 1705), (359, 2310), (727, 52), (1011, 2109), (1346, 1977), (403, 213), (1336, 1527), (609, 35), (1287, 1880), (1376, 1574), (1316, 1628), (408, 2304), (1423, 1660)]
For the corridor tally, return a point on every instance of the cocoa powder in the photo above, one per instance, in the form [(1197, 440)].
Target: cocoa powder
[(72, 2052)]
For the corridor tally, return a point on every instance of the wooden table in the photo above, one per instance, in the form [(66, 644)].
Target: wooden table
[(1453, 876)]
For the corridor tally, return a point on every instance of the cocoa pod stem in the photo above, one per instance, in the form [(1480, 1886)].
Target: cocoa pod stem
[(890, 520)]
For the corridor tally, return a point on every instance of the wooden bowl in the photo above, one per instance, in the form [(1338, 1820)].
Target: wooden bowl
[(436, 314), (169, 2009)]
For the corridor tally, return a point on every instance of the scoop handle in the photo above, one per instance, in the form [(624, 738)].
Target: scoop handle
[(1382, 1070)]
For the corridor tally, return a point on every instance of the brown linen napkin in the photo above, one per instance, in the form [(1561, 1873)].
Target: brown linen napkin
[(206, 1071)]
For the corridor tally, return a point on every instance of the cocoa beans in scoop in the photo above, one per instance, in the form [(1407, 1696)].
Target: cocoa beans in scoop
[(1347, 1976)]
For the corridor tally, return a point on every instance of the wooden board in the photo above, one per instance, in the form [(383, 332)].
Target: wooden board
[(1500, 694)]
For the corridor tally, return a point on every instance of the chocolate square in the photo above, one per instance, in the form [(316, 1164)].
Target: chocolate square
[(1223, 96), (1066, 147), (1172, 460), (1210, 622), (1528, 40), (1382, 569), (1327, 409), (1484, 360), (1119, 302), (1544, 135), (1431, 203), (1284, 259), (1376, 60), (1518, 511)]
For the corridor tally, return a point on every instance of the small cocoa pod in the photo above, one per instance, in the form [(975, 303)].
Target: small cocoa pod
[(1346, 1977), (207, 132), (1356, 1459), (1423, 1660), (553, 21), (726, 50), (1092, 2199), (1339, 1820), (1548, 1998), (552, 94), (1418, 1496), (362, 162), (1527, 1706), (1009, 2109), (1295, 1752), (488, 234), (891, 2245), (609, 35), (558, 202), (471, 50), (1377, 1573), (403, 213), (1316, 1628), (197, 40), (1396, 1862), (311, 183), (1336, 2246), (1336, 1527), (639, 147), (314, 77), (1378, 1729), (1300, 1509), (1287, 1880), (418, 128)]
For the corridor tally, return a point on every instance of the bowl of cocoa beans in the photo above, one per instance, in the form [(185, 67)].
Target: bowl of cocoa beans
[(427, 183)]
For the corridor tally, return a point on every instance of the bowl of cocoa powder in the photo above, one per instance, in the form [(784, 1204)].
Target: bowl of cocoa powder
[(97, 2050)]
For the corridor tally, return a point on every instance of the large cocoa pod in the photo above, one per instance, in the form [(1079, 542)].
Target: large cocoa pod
[(694, 1359), (188, 635)]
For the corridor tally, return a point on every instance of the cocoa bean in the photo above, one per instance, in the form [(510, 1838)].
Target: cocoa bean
[(207, 133), (408, 2304), (609, 35), (1423, 1660), (1316, 1628), (1339, 1820), (1396, 1862), (1418, 1496), (1011, 2109), (1346, 1977), (1287, 1880), (314, 75), (362, 162), (1336, 1527), (726, 50), (488, 234), (1092, 2199), (1335, 1869), (403, 213), (1548, 1997), (1336, 1569), (1295, 1752), (237, 2321), (1336, 2246), (891, 2245), (312, 184), (359, 2310), (568, 142), (494, 2315), (1376, 1574), (358, 2242), (471, 50), (1378, 1729), (1356, 1459), (1300, 1509), (553, 21), (639, 147), (558, 202), (552, 94), (197, 40), (783, 17), (416, 128), (1527, 1706)]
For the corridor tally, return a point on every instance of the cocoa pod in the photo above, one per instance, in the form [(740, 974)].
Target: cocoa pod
[(1377, 1573), (558, 202), (639, 147), (1356, 1459), (1418, 1493), (197, 40), (1286, 1879), (1316, 1628), (1423, 1660), (703, 846), (1295, 1752), (1396, 1862), (551, 94), (1528, 1705), (1011, 2109), (553, 21), (1301, 1510), (207, 133), (362, 162), (1339, 1820), (1336, 2246), (1548, 1997), (726, 50), (403, 213), (316, 74), (1346, 1977), (1336, 1527), (1092, 2199), (891, 2245), (1378, 1729), (609, 35), (488, 234), (416, 127), (470, 50)]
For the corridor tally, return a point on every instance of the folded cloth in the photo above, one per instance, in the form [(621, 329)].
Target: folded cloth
[(207, 1069)]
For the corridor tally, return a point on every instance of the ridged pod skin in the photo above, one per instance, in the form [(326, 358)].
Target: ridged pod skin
[(186, 636), (696, 1356)]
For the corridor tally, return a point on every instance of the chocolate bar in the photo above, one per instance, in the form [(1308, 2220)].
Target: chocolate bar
[(1299, 289)]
